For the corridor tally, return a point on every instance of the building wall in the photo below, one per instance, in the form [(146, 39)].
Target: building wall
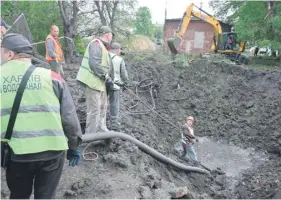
[(197, 39)]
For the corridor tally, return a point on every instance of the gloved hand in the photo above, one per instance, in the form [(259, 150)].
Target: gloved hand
[(125, 86), (108, 80), (74, 156)]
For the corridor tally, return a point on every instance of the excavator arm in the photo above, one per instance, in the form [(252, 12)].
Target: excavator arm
[(174, 43)]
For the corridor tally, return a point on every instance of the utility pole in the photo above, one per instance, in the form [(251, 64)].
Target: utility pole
[(166, 10), (201, 3)]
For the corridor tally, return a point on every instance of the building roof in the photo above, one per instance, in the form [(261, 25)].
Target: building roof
[(192, 19), (179, 19)]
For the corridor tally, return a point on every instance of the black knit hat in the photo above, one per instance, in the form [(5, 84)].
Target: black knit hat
[(17, 43)]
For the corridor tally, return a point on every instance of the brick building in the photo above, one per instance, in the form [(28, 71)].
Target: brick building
[(198, 37)]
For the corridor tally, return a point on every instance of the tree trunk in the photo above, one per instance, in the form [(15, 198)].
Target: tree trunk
[(69, 14)]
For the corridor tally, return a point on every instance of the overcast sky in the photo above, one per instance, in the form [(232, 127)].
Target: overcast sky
[(175, 8)]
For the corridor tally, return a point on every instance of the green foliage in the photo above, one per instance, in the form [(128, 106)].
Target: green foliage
[(181, 60), (7, 9), (251, 15), (124, 19), (276, 22), (253, 21), (143, 22), (265, 64), (264, 43), (158, 32), (40, 15), (226, 10), (80, 44)]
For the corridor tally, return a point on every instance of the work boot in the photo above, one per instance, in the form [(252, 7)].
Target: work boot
[(196, 163), (115, 126), (185, 158)]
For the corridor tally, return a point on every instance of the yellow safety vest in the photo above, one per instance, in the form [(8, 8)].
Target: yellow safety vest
[(87, 76), (38, 126)]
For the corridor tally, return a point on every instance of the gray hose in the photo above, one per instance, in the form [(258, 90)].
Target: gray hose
[(152, 152)]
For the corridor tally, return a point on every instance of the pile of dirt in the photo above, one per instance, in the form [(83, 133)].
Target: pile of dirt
[(231, 104), (142, 43)]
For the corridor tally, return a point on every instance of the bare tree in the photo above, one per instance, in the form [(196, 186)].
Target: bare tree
[(69, 15), (106, 11), (91, 14)]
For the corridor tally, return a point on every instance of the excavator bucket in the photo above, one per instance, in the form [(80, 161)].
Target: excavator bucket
[(174, 44)]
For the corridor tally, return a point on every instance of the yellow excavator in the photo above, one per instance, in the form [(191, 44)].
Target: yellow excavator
[(224, 43)]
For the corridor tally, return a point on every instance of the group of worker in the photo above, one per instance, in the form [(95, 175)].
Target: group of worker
[(102, 73), (46, 125)]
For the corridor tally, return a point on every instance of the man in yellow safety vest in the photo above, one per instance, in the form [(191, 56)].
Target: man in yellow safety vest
[(45, 127), (94, 73)]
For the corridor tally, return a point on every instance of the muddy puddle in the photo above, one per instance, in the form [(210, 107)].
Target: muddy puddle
[(231, 159)]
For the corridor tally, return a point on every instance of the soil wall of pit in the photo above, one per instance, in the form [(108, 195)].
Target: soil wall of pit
[(231, 104)]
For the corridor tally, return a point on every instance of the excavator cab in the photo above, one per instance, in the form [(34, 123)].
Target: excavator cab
[(229, 43)]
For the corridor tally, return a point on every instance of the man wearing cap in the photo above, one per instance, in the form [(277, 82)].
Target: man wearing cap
[(54, 52), (187, 135), (3, 27), (120, 79), (46, 124), (94, 72)]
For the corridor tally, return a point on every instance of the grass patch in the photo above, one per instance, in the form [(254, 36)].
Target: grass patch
[(265, 64)]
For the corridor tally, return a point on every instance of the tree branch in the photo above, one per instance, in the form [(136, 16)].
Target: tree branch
[(100, 11), (75, 9), (62, 11), (88, 12)]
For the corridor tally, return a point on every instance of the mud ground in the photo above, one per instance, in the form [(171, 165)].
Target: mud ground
[(235, 107)]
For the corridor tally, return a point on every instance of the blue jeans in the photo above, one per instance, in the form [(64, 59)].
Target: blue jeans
[(189, 150)]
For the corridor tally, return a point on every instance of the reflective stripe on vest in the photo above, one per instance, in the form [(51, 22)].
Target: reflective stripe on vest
[(57, 49), (116, 61), (38, 125), (36, 108), (86, 75)]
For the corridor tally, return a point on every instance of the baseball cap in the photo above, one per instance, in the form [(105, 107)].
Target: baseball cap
[(3, 23), (105, 29), (17, 43), (116, 45), (191, 118)]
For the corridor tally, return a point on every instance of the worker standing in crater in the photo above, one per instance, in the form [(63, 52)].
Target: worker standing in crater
[(187, 138)]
